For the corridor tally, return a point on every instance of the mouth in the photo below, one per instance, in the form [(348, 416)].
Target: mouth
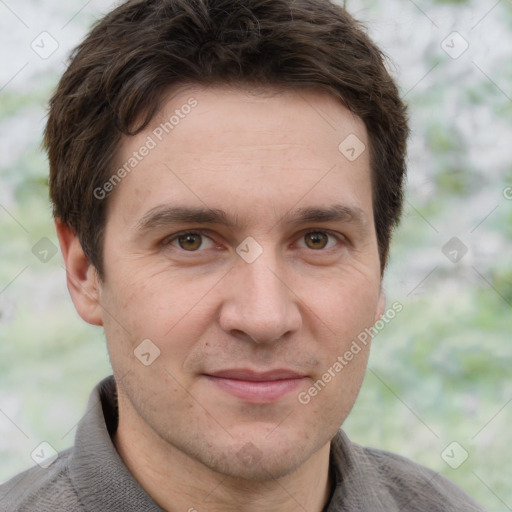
[(256, 387)]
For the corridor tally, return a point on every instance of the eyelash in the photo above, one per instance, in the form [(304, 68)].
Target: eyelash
[(167, 241)]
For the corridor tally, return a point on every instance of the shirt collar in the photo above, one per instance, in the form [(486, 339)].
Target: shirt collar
[(97, 472)]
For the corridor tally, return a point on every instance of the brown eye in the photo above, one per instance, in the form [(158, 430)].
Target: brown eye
[(191, 241), (316, 239)]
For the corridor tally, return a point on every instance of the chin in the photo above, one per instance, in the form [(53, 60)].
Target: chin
[(267, 465), (253, 458)]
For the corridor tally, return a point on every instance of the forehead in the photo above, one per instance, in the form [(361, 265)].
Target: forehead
[(249, 152)]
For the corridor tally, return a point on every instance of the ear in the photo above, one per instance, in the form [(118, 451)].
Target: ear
[(381, 305), (82, 278)]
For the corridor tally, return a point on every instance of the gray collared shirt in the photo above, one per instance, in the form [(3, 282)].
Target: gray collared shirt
[(91, 477)]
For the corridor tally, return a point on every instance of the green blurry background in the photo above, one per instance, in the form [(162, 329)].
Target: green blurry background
[(439, 372)]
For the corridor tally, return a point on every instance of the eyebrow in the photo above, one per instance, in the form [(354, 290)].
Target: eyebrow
[(166, 215), (334, 213)]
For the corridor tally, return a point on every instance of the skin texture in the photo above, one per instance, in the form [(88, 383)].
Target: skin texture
[(298, 306)]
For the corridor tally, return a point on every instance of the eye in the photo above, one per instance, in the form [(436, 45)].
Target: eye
[(190, 241), (317, 239)]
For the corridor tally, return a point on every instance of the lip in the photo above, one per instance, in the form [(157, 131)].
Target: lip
[(257, 387)]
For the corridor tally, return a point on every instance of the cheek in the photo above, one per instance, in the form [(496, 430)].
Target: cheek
[(344, 304), (343, 315), (173, 313)]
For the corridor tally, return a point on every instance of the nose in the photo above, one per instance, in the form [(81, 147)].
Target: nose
[(259, 304)]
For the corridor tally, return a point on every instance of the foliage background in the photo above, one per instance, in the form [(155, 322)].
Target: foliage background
[(438, 373)]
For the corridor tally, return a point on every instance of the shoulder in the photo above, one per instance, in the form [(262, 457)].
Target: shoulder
[(43, 489), (415, 487)]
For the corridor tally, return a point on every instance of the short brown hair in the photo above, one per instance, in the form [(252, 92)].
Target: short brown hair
[(117, 75)]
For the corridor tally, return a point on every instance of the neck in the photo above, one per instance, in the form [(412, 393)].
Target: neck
[(177, 482)]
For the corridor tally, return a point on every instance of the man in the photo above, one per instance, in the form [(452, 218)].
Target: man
[(225, 178)]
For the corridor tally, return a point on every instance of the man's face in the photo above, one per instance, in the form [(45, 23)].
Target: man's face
[(233, 297)]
